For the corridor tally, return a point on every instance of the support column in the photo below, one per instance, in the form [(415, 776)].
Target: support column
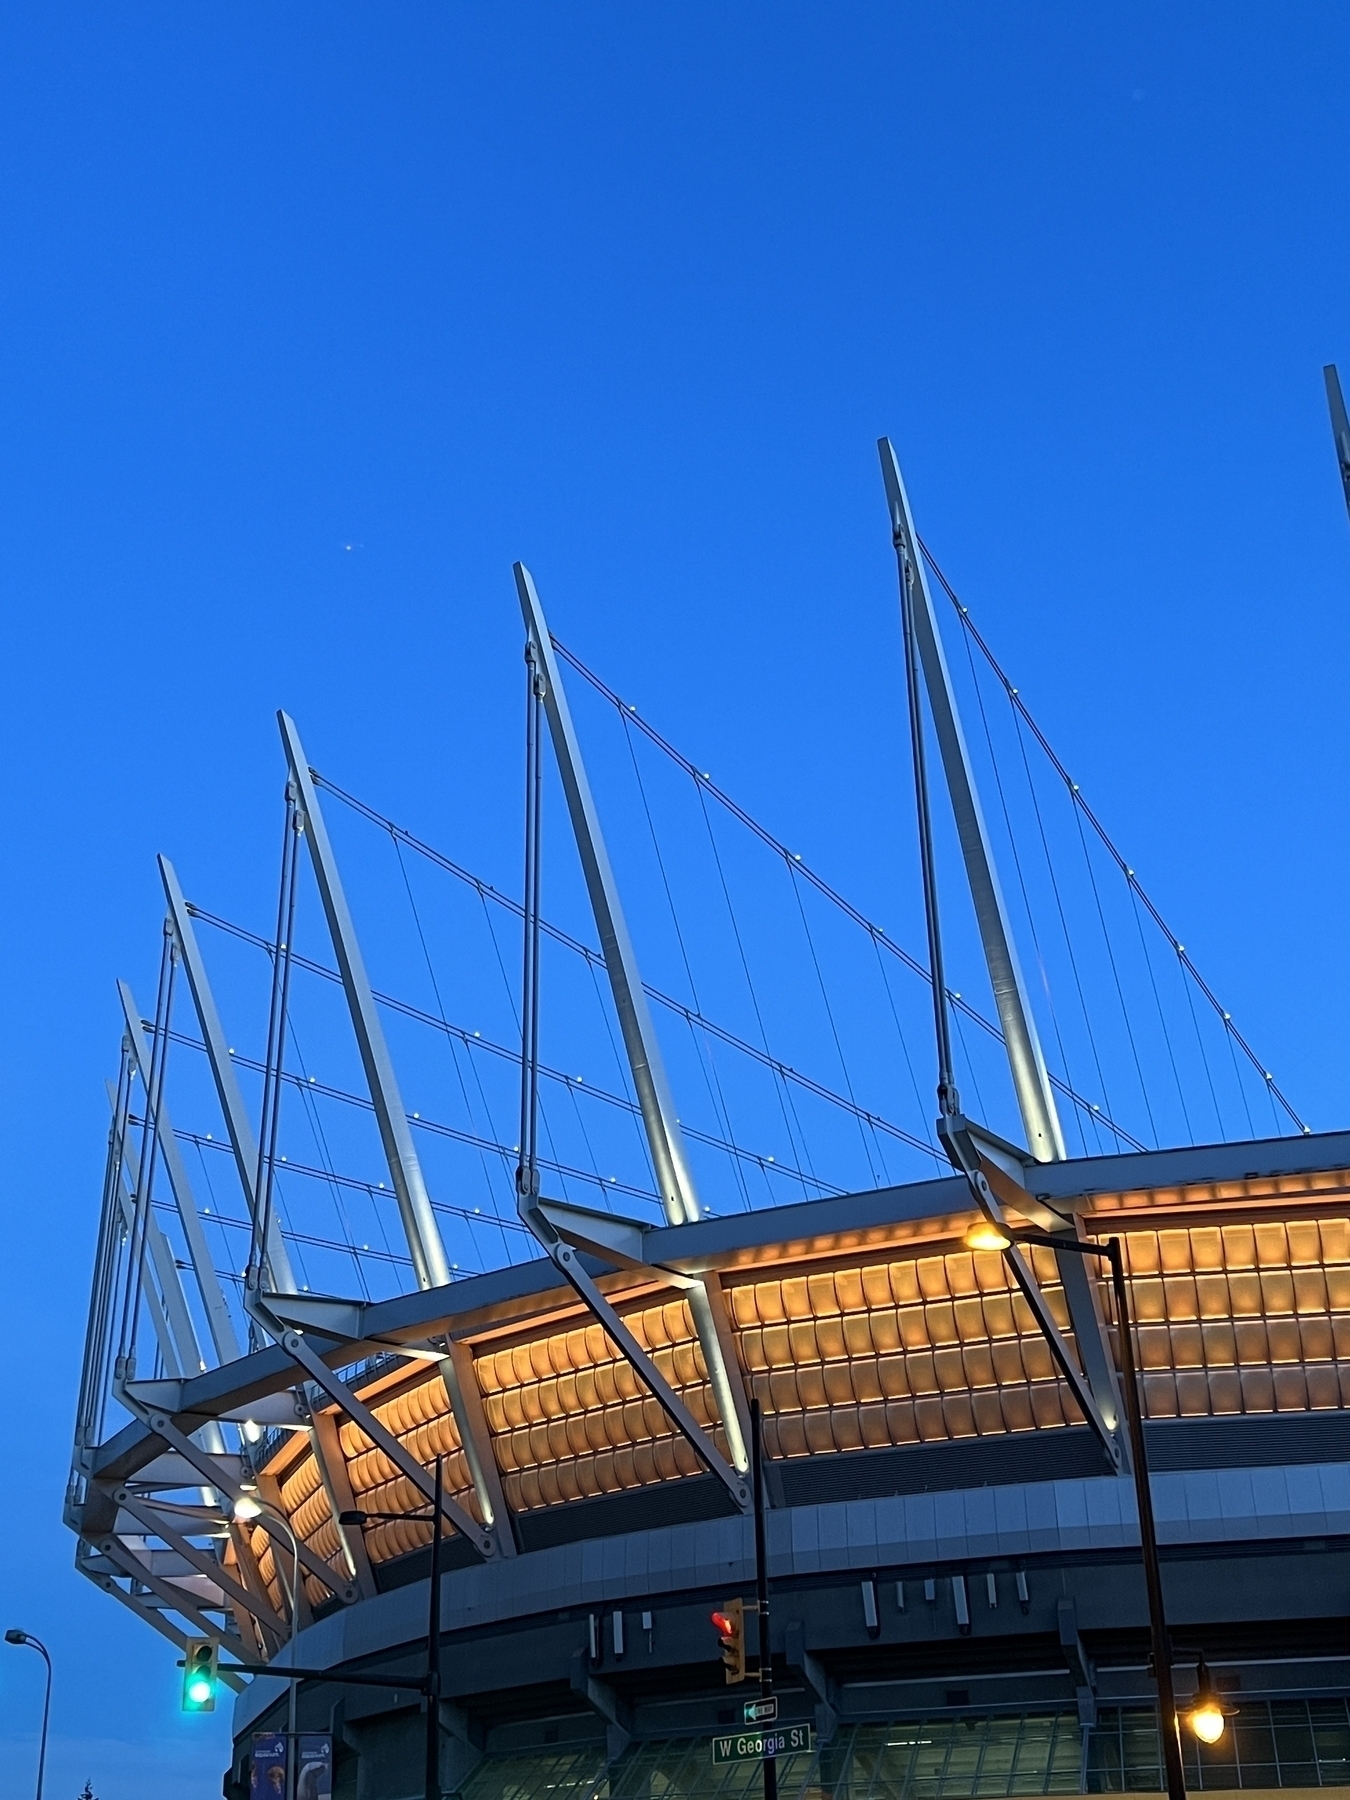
[(475, 1439), (326, 1445)]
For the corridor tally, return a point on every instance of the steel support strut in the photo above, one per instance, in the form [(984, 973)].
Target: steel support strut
[(168, 1309), (237, 1126), (482, 1539), (1340, 426), (664, 1138), (665, 1141), (163, 1526), (1026, 1061), (405, 1170), (420, 1226), (1031, 1080), (225, 1481), (568, 1262), (980, 1177)]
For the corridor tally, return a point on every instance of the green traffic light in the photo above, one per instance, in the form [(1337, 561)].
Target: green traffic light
[(200, 1675)]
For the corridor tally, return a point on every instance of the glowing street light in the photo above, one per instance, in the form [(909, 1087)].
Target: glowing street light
[(1206, 1717), (987, 1236)]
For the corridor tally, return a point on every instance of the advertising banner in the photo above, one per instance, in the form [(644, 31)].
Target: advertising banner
[(313, 1766), (314, 1772), (268, 1780)]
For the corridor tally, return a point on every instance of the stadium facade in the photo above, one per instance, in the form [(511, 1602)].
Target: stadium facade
[(953, 1545), (957, 1599)]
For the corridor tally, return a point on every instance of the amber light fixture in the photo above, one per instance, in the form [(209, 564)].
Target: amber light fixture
[(1206, 1716), (985, 1235)]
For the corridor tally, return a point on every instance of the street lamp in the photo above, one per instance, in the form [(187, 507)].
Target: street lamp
[(432, 1681), (990, 1234), (1207, 1716), (249, 1507), (15, 1636), (429, 1685)]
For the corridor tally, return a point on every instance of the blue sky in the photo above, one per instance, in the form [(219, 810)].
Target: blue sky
[(315, 318)]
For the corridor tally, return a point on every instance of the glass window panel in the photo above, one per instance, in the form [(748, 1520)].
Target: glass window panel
[(1064, 1775), (1141, 1753), (1298, 1774), (1331, 1741), (1253, 1739), (1218, 1769), (963, 1759), (1294, 1743)]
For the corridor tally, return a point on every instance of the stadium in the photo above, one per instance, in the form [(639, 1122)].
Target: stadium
[(951, 1535)]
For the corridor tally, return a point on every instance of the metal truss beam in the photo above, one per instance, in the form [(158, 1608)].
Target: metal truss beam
[(119, 1552), (251, 1575), (167, 1335), (224, 1478), (665, 1141), (983, 1177), (708, 1305), (1089, 1334), (237, 1126), (302, 1613), (1080, 1291), (483, 1539), (217, 1312), (620, 1242), (158, 1524), (151, 1615), (405, 1170), (171, 1319), (99, 1327), (568, 1263), (157, 1405)]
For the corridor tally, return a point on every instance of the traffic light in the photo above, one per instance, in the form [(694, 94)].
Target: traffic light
[(201, 1675), (730, 1624)]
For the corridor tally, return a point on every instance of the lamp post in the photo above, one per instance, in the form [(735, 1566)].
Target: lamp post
[(991, 1236), (15, 1636), (431, 1684), (247, 1508)]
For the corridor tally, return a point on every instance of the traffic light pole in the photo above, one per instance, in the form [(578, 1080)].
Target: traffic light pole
[(762, 1585), (428, 1685), (433, 1686)]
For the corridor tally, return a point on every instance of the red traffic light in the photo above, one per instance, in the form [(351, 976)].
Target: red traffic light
[(729, 1623)]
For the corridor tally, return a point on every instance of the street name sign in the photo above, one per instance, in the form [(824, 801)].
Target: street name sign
[(754, 1746)]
